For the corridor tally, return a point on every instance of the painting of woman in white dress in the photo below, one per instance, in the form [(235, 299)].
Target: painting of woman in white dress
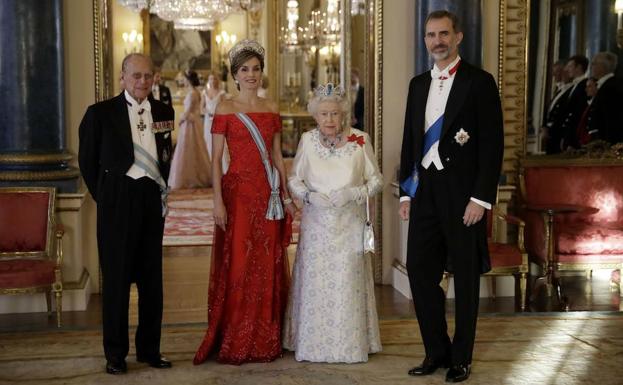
[(331, 314)]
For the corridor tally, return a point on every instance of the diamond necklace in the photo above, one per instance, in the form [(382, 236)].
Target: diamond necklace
[(330, 143)]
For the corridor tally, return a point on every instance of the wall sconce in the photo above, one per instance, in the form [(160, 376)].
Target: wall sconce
[(133, 42), (618, 8), (224, 41)]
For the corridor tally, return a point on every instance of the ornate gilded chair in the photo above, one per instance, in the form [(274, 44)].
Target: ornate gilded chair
[(506, 258), (31, 244)]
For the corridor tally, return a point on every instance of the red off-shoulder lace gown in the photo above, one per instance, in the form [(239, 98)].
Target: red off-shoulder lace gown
[(249, 272)]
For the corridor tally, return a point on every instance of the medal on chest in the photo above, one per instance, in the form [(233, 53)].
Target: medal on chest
[(141, 123)]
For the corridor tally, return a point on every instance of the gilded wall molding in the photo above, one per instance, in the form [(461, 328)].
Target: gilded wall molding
[(35, 158), (377, 27), (102, 30), (513, 81), (39, 175)]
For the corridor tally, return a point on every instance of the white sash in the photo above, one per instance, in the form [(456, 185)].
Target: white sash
[(147, 162), (275, 209)]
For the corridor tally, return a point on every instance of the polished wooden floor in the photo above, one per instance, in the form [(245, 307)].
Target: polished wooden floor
[(186, 272)]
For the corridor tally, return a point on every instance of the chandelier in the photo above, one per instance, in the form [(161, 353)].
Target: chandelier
[(290, 36), (357, 7), (324, 27), (135, 5), (193, 14)]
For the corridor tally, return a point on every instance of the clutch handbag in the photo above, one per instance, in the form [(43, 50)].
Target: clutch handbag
[(368, 231)]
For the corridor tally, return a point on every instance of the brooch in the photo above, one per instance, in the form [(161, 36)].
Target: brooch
[(360, 140), (461, 137), (164, 126)]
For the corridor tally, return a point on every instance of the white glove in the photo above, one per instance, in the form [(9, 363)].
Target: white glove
[(341, 197), (318, 199)]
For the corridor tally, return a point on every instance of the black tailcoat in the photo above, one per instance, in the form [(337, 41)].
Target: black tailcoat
[(605, 116), (129, 223), (438, 239)]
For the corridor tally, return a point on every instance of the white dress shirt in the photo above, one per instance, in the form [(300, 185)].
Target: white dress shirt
[(145, 138)]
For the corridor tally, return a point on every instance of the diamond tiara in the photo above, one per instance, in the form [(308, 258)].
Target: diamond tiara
[(246, 45), (328, 90)]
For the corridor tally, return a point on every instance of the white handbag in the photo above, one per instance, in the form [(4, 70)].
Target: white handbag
[(368, 231)]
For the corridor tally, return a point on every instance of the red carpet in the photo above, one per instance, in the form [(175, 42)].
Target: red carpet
[(190, 222)]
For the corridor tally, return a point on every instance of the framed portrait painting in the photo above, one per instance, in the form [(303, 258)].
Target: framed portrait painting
[(175, 50)]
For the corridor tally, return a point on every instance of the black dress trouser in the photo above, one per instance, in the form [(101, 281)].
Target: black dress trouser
[(129, 236), (438, 241)]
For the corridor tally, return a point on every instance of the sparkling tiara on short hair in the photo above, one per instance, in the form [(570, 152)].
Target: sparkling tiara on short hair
[(246, 45), (328, 90)]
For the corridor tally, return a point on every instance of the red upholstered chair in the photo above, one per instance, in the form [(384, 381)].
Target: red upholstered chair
[(30, 244), (507, 258)]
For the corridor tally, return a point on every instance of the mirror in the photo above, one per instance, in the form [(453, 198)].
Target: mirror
[(559, 30)]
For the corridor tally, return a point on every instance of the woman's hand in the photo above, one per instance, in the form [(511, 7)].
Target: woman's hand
[(220, 214), (291, 209)]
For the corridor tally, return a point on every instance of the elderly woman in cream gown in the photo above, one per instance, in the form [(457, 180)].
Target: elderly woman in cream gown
[(331, 314)]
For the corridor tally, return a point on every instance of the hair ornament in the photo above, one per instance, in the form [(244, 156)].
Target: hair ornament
[(329, 90), (246, 45)]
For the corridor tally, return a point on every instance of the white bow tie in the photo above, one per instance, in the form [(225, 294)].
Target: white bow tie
[(435, 73), (145, 105)]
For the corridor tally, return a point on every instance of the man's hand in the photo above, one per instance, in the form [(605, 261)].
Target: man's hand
[(473, 213), (404, 209)]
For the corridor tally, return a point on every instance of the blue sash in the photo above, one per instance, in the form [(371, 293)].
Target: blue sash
[(431, 137), (275, 210)]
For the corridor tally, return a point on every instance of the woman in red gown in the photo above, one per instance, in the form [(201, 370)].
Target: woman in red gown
[(249, 272)]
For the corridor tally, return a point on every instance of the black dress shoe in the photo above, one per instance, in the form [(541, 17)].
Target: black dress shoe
[(116, 367), (458, 373), (428, 366), (159, 362)]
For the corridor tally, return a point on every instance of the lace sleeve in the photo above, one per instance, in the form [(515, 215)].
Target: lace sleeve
[(277, 124), (373, 177), (296, 177), (219, 124)]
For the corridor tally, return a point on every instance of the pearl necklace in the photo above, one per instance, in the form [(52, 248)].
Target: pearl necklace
[(330, 143)]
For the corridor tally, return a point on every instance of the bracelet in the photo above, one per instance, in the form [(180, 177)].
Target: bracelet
[(287, 201)]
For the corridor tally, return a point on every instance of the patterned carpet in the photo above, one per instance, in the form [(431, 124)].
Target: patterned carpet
[(564, 348), (190, 221)]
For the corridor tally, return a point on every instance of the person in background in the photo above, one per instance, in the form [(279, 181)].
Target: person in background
[(190, 167), (583, 135), (605, 118), (357, 91), (575, 105), (562, 86), (210, 98), (160, 91)]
